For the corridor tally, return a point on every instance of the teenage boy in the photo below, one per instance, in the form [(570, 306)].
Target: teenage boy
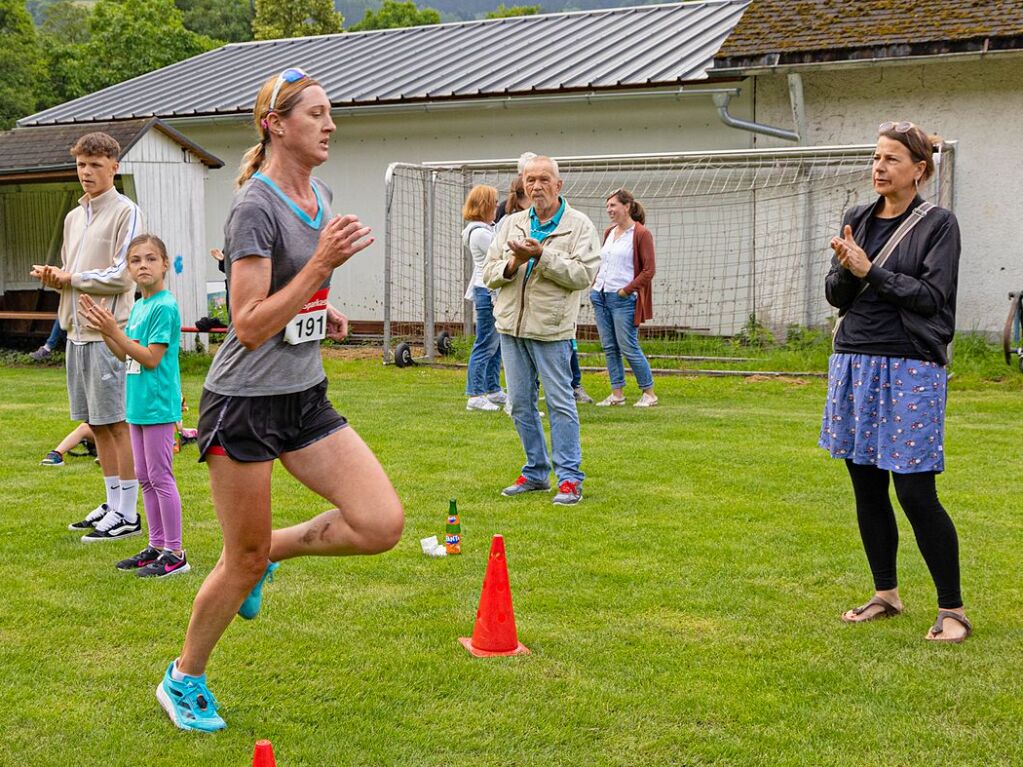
[(93, 261)]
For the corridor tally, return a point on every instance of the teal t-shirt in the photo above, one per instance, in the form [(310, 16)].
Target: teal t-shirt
[(154, 396)]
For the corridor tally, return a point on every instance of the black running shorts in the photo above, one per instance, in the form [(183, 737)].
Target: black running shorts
[(251, 429)]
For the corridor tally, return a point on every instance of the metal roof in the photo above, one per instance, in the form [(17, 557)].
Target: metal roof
[(608, 49), (776, 32), (46, 149)]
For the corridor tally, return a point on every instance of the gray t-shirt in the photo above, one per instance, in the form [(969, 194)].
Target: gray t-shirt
[(264, 222)]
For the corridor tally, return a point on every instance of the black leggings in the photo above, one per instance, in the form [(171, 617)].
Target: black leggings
[(933, 528)]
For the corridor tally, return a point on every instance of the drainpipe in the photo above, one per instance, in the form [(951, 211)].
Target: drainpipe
[(798, 107), (721, 102)]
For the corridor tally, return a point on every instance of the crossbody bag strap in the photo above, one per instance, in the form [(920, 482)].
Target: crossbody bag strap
[(898, 235)]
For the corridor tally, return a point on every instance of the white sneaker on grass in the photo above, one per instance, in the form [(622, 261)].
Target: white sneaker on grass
[(646, 400), (481, 403), (90, 520), (112, 527)]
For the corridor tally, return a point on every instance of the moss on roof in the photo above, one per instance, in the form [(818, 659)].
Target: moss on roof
[(792, 26)]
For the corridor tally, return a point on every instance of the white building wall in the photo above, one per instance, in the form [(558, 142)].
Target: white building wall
[(170, 186), (363, 147), (979, 103)]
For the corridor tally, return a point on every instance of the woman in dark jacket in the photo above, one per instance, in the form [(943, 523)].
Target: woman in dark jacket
[(885, 412)]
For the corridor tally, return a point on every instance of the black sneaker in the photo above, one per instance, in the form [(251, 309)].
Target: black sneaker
[(91, 519), (166, 565), (112, 527), (147, 556)]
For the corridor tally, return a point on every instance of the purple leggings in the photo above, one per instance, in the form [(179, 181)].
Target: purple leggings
[(153, 446)]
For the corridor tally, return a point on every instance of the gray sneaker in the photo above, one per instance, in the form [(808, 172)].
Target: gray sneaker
[(40, 354), (569, 493), (581, 396), (523, 485)]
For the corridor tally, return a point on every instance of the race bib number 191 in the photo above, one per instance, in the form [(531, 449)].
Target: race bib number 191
[(310, 324)]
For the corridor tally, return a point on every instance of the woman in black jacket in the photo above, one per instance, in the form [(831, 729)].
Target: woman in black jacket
[(885, 412)]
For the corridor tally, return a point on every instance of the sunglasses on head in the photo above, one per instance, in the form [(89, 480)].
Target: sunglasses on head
[(290, 75), (901, 127)]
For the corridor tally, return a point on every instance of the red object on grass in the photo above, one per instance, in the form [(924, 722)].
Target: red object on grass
[(263, 756), (494, 632)]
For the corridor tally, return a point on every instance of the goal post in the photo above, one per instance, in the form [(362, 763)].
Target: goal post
[(741, 236)]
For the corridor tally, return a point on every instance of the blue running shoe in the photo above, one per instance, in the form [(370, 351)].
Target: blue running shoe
[(189, 703), (250, 607)]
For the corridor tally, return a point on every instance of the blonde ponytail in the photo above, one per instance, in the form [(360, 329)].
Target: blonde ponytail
[(252, 161)]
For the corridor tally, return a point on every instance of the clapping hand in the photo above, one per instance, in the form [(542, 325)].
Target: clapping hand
[(523, 250), (51, 276), (97, 316), (849, 254)]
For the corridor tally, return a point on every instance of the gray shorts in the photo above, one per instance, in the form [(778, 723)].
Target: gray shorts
[(95, 383)]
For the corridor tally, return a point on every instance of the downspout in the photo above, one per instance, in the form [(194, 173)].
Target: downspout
[(721, 102)]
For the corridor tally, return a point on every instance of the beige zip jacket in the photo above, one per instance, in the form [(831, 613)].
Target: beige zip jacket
[(95, 250), (546, 306)]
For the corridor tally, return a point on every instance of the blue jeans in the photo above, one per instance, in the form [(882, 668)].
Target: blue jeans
[(484, 375), (577, 374), (56, 336), (524, 359), (619, 337)]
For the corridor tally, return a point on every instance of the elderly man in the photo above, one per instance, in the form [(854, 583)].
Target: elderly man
[(543, 258)]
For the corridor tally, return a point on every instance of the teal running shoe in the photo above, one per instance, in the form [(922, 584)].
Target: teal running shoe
[(250, 607), (189, 703)]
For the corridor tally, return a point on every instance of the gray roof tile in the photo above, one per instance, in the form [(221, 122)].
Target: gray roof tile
[(805, 31), (654, 45), (47, 147)]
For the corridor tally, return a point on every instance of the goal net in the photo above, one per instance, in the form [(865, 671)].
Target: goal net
[(741, 237)]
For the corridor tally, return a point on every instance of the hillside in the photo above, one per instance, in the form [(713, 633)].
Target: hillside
[(460, 10)]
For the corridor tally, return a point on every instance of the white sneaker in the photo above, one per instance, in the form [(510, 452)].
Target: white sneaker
[(611, 401), (113, 526), (480, 403), (646, 400), (497, 397)]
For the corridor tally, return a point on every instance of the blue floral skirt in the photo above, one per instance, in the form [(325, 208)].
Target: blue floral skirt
[(887, 412)]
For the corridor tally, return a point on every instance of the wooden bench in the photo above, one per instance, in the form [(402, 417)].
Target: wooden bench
[(23, 315)]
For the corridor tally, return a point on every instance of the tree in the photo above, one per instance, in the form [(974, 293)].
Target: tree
[(128, 38), (505, 12), (63, 32), (227, 20), (393, 14), (65, 21), (21, 62), (295, 18)]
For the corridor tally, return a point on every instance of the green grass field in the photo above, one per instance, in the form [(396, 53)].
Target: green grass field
[(686, 613)]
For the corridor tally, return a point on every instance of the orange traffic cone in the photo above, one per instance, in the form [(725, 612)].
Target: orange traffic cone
[(263, 756), (494, 632)]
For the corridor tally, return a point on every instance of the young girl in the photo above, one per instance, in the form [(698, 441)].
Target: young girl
[(149, 347)]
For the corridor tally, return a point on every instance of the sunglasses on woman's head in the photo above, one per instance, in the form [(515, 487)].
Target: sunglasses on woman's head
[(902, 127), (290, 75)]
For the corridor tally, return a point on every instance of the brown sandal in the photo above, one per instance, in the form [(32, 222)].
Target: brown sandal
[(935, 633), (888, 610)]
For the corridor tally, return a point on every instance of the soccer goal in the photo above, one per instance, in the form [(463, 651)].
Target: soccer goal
[(741, 237)]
